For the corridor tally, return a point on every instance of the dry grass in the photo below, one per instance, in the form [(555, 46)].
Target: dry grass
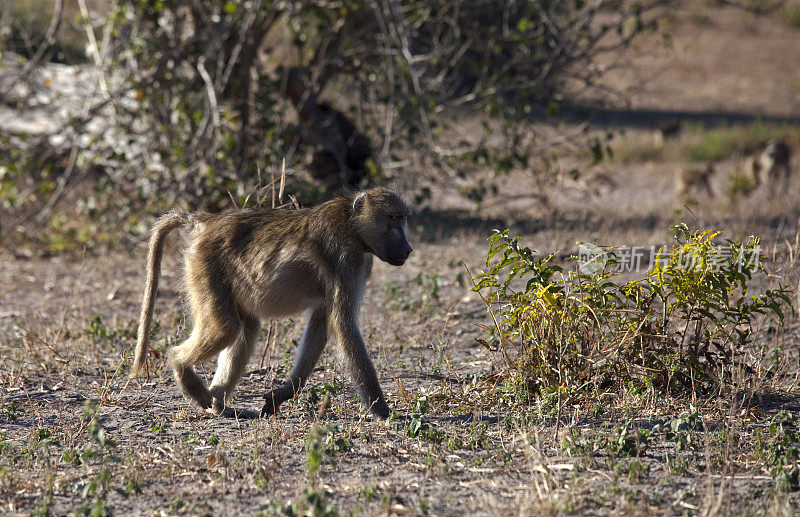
[(456, 445)]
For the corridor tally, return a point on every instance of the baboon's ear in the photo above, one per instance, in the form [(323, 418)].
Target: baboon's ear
[(358, 202)]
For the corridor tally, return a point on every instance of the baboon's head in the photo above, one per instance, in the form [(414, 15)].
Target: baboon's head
[(776, 150), (380, 217)]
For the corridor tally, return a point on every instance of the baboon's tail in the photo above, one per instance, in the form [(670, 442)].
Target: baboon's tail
[(165, 224)]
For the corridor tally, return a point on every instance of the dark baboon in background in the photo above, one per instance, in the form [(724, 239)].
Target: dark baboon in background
[(771, 166), (667, 130), (342, 150)]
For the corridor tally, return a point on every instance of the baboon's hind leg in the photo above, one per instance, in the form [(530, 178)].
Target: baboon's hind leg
[(773, 186), (311, 345), (707, 184), (208, 339), (787, 173), (232, 363)]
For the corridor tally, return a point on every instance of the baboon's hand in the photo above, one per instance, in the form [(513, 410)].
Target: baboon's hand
[(380, 409), (270, 406)]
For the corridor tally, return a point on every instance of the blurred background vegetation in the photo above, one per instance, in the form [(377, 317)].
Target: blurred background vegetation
[(158, 102), (110, 111)]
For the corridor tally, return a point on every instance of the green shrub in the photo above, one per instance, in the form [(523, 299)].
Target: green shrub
[(784, 450), (790, 14), (683, 328), (722, 143), (740, 183), (712, 147), (636, 152)]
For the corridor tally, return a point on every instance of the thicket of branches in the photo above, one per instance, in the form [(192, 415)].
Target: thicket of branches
[(194, 96)]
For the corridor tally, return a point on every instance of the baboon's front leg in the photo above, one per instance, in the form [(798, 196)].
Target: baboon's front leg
[(311, 345), (361, 370), (344, 323)]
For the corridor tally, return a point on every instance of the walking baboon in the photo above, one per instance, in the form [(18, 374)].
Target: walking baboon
[(690, 178), (589, 183), (770, 166), (260, 263)]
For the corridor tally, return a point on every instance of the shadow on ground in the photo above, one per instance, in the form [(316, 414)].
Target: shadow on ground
[(653, 118)]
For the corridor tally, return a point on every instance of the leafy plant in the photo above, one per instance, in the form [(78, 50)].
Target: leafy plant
[(319, 393), (321, 440), (626, 440), (420, 427), (681, 430), (11, 412), (324, 440), (96, 488), (783, 450), (683, 328), (634, 469), (98, 329)]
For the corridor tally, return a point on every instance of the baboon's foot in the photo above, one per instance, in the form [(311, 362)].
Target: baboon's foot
[(217, 399), (193, 387)]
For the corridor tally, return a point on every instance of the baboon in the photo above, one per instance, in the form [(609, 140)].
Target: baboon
[(339, 144), (666, 130), (261, 263), (690, 178), (770, 165), (591, 183)]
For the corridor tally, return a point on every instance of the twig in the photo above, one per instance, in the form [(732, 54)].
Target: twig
[(94, 50), (268, 341), (272, 183), (357, 427), (210, 93), (399, 25), (248, 22), (486, 302), (389, 122), (283, 180), (233, 200), (394, 9)]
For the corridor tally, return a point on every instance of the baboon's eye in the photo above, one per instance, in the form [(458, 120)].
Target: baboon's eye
[(397, 217)]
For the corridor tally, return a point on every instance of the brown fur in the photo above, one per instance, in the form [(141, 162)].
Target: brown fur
[(690, 178), (259, 263)]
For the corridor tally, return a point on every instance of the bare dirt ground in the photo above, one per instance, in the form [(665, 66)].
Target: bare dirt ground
[(78, 436)]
